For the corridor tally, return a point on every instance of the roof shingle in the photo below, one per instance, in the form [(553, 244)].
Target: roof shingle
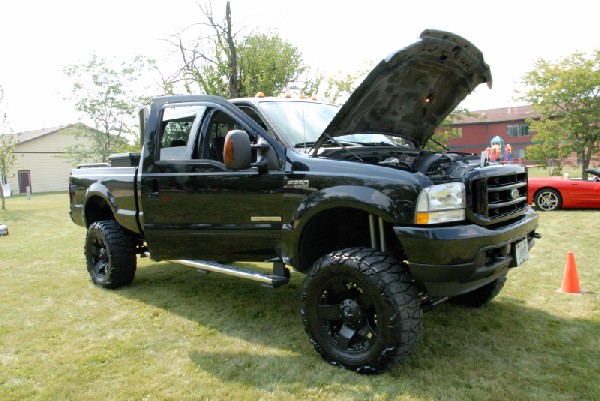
[(515, 113), (30, 135)]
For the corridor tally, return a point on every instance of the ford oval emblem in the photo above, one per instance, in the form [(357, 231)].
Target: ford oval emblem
[(514, 194)]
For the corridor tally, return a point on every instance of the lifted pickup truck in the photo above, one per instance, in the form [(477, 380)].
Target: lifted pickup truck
[(382, 229)]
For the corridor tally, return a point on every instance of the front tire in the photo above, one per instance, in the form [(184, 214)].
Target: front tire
[(360, 310), (548, 199), (110, 254)]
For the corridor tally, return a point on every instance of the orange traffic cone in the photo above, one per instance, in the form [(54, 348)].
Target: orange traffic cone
[(570, 282)]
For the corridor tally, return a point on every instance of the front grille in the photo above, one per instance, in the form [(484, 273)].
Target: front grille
[(497, 198)]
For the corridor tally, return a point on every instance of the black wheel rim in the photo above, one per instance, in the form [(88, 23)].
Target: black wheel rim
[(348, 315), (99, 258)]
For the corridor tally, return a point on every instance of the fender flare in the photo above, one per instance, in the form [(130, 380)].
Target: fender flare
[(363, 198), (99, 191), (356, 197)]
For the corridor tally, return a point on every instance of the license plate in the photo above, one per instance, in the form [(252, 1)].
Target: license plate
[(521, 252)]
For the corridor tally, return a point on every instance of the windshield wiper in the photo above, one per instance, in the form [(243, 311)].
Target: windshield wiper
[(343, 145), (439, 144), (380, 143), (305, 144), (327, 142)]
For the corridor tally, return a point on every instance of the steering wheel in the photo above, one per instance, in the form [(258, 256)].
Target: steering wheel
[(596, 179)]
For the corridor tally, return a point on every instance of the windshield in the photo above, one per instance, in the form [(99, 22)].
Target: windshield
[(371, 138), (299, 122), (302, 123)]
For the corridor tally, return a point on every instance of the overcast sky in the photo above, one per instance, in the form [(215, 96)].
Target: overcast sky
[(38, 38)]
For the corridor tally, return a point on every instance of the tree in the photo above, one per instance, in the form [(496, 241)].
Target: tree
[(107, 97), (268, 64), (216, 62), (445, 132), (339, 87), (565, 94), (93, 144), (549, 146), (8, 160), (8, 143)]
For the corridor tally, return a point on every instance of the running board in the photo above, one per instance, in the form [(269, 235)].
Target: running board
[(280, 276)]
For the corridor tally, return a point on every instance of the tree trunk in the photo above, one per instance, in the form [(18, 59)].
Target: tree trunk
[(2, 195), (585, 161), (233, 78)]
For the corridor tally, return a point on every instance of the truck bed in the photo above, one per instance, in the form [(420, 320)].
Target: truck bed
[(116, 184)]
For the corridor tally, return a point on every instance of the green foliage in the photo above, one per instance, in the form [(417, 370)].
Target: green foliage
[(8, 159), (107, 97), (550, 147), (339, 87), (215, 62), (92, 145), (4, 128), (208, 77), (176, 130), (565, 93), (8, 143), (267, 64), (445, 132)]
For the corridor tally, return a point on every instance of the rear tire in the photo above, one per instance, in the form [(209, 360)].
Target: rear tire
[(481, 296), (360, 310), (110, 254)]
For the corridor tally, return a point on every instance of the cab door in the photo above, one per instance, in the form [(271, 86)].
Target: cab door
[(194, 207)]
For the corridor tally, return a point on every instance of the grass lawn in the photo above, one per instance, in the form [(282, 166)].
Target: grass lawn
[(175, 334), (573, 171)]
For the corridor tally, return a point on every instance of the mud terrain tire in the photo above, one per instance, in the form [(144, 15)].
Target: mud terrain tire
[(110, 254), (361, 310)]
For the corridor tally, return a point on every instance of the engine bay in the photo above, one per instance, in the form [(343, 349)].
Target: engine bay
[(439, 167)]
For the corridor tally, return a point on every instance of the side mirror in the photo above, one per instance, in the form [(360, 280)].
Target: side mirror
[(237, 151)]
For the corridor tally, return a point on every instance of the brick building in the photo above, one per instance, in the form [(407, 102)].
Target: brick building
[(508, 123)]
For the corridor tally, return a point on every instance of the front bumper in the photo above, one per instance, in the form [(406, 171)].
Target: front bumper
[(451, 261)]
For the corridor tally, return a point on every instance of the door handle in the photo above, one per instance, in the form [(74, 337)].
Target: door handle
[(152, 188)]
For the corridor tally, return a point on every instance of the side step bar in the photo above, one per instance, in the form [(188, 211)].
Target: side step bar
[(280, 276)]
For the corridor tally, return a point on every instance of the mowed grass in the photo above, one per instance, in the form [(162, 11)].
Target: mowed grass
[(178, 335), (573, 171)]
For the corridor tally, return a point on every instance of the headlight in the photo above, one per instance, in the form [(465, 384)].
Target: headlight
[(441, 203)]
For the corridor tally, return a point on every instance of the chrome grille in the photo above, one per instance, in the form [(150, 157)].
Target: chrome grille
[(497, 198)]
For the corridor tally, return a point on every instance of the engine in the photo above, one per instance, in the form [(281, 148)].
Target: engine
[(439, 167)]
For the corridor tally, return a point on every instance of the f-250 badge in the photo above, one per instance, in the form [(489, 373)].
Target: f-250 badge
[(298, 184)]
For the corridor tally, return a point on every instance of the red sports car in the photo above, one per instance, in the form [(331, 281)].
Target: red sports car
[(552, 193)]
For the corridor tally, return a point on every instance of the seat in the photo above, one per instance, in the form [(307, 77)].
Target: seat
[(177, 142), (219, 143)]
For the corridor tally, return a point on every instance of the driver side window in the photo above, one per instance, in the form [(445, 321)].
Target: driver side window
[(178, 129), (217, 127)]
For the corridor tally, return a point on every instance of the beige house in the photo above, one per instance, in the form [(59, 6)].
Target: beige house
[(40, 166)]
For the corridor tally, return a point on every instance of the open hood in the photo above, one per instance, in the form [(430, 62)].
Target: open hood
[(413, 90)]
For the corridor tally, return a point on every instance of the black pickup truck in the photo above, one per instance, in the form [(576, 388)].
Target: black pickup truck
[(382, 229)]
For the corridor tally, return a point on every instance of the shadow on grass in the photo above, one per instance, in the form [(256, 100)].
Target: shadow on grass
[(229, 305), (505, 346)]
